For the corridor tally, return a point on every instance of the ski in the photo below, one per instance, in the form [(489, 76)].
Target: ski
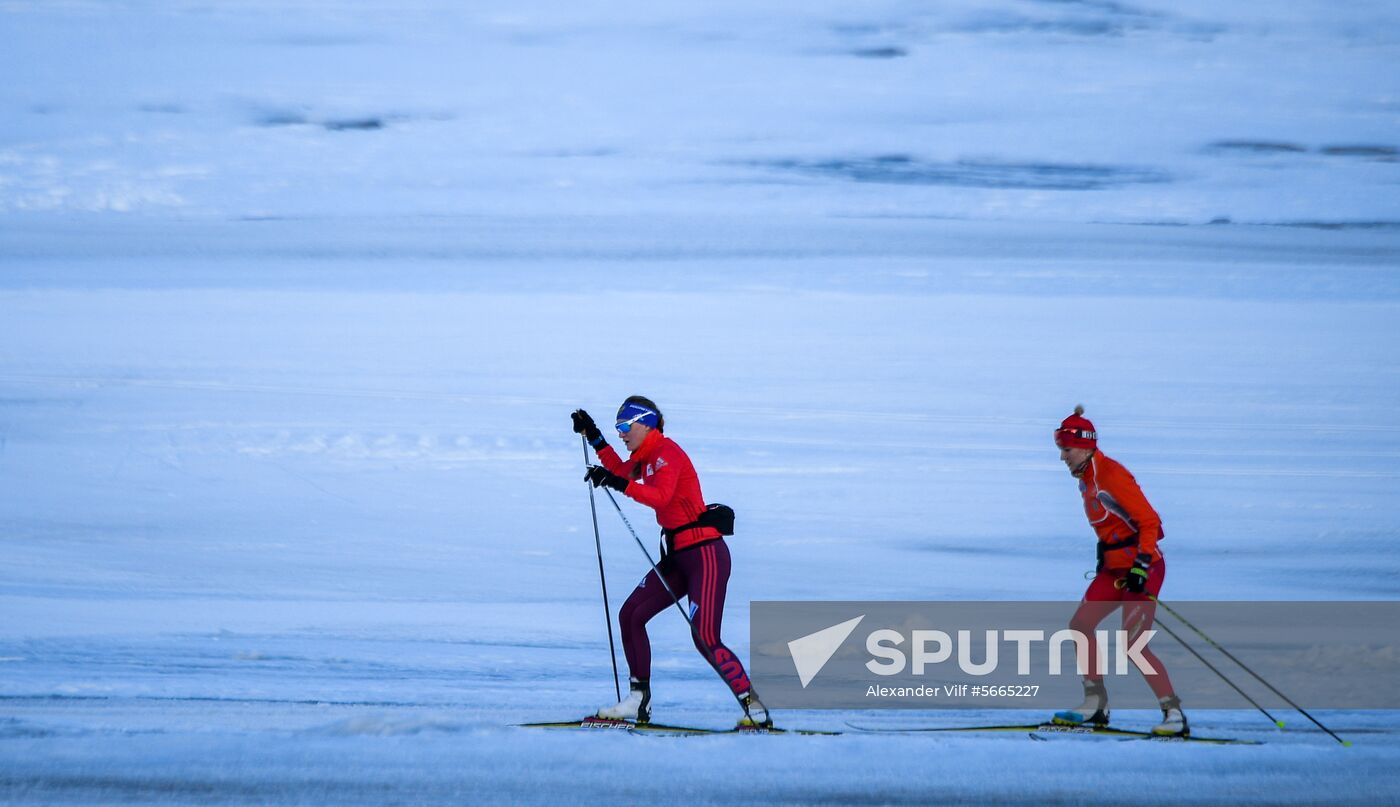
[(606, 724), (1035, 729)]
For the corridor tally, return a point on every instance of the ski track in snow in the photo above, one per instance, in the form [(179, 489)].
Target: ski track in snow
[(228, 582)]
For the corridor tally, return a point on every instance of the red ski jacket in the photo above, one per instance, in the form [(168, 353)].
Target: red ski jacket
[(663, 479), (1119, 513)]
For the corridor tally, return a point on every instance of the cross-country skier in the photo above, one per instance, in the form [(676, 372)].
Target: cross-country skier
[(1130, 567), (695, 559)]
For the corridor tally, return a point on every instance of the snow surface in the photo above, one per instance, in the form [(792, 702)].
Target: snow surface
[(295, 299)]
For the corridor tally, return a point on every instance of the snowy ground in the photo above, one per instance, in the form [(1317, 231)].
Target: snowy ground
[(295, 301)]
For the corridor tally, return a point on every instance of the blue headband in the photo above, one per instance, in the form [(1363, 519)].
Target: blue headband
[(649, 417)]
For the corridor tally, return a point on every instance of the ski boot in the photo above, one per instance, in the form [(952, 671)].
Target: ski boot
[(635, 707), (1173, 720), (1092, 712), (755, 713)]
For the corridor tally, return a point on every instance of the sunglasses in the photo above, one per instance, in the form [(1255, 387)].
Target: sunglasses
[(625, 426)]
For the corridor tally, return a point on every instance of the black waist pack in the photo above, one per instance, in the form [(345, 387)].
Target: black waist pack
[(719, 516)]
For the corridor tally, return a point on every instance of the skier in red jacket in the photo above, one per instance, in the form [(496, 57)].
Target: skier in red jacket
[(695, 560), (1130, 568)]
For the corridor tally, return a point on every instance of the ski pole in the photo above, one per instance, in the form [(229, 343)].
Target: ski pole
[(700, 642), (1222, 675), (602, 581), (1244, 667)]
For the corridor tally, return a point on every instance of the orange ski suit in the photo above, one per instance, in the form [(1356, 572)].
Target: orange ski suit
[(1126, 526), (1120, 514)]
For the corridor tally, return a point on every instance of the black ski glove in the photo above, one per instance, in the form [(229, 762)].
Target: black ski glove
[(600, 476), (584, 425), (1136, 581)]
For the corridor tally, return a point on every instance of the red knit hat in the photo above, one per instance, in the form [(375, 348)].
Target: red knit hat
[(1076, 431)]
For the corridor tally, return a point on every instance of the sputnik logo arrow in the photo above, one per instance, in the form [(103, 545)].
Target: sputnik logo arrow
[(811, 653)]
